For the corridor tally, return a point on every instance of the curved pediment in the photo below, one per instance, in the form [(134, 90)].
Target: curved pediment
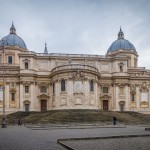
[(26, 102), (105, 96)]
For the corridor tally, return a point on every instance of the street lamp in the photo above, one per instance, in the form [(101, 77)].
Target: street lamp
[(3, 118)]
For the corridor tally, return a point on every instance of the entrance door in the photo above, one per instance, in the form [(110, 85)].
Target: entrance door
[(26, 107), (121, 107), (43, 105), (105, 104)]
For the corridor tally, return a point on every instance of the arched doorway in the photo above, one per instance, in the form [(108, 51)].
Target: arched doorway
[(122, 105), (43, 105), (26, 105)]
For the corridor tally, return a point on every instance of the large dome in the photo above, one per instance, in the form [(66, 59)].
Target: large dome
[(12, 39), (121, 43)]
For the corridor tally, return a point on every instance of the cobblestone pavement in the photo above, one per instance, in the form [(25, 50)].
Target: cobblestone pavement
[(22, 138), (130, 143)]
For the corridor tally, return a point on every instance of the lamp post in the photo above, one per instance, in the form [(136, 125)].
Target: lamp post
[(4, 117)]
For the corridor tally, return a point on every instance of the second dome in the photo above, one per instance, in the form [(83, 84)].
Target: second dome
[(121, 43)]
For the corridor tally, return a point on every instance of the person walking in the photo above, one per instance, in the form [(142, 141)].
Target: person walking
[(114, 120), (19, 122)]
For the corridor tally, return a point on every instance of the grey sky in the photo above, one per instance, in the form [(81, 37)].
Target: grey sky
[(78, 26)]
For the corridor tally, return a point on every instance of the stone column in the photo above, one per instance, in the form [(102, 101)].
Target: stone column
[(70, 93), (137, 98), (17, 96), (7, 95), (127, 98), (86, 92), (21, 97), (95, 93), (114, 97), (37, 103), (32, 97), (49, 92), (117, 101), (57, 91)]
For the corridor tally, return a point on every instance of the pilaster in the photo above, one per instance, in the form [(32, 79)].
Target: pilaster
[(137, 98), (21, 97)]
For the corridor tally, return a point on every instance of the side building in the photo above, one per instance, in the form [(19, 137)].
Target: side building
[(47, 81)]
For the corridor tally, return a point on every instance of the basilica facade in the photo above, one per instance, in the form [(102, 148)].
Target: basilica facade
[(47, 81)]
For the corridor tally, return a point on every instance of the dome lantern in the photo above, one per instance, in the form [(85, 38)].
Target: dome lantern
[(120, 34), (12, 29)]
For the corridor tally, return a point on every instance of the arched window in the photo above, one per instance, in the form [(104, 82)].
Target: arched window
[(132, 97), (13, 96), (26, 65), (121, 68), (9, 59), (91, 86), (53, 87), (63, 87), (121, 64)]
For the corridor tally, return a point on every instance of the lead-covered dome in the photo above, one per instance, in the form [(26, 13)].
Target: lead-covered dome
[(13, 39), (121, 43)]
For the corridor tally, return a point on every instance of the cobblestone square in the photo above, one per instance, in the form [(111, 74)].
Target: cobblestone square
[(23, 138)]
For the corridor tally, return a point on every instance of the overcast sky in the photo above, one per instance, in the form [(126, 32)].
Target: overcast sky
[(78, 26)]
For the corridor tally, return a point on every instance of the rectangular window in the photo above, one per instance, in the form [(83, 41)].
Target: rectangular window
[(43, 89), (105, 89), (53, 87), (12, 96), (26, 89), (26, 65), (132, 97), (91, 86), (9, 59), (63, 85)]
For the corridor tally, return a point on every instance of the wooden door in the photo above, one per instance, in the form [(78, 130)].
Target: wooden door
[(43, 105), (105, 104)]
